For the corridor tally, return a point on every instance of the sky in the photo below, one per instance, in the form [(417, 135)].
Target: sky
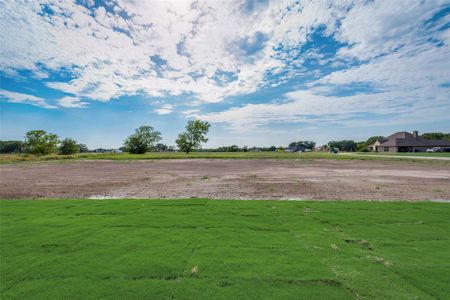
[(261, 72)]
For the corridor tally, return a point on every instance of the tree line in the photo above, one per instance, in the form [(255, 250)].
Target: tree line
[(146, 139), (39, 142)]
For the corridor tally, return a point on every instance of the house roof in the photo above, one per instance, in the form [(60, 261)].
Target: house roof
[(406, 139)]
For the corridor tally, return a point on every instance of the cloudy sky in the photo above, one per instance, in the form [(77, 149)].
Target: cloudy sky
[(261, 72)]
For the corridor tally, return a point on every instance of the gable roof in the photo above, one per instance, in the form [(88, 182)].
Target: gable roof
[(406, 139)]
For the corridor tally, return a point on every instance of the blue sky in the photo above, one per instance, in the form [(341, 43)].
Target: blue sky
[(261, 72)]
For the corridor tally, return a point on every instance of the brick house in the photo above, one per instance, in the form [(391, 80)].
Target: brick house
[(407, 142)]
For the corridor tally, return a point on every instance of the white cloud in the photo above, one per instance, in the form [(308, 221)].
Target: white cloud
[(191, 113), (381, 27), (110, 55), (164, 110), (24, 98), (211, 50), (400, 73), (72, 102), (403, 87)]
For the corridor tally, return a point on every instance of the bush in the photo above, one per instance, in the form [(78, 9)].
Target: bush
[(69, 146), (83, 148)]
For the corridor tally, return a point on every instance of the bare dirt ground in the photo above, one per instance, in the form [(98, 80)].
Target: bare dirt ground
[(228, 179)]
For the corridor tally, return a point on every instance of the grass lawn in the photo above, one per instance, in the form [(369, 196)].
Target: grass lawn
[(205, 249), (10, 158)]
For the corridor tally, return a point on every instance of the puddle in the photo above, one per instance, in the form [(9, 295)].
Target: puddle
[(383, 180), (102, 197), (441, 200)]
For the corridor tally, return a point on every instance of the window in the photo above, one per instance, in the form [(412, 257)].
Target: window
[(386, 149)]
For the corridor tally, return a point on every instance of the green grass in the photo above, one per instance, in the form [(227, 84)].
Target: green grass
[(136, 249), (11, 158)]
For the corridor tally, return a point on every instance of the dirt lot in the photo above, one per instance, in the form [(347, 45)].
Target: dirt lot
[(227, 179)]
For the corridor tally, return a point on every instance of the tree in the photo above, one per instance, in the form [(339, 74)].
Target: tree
[(436, 136), (143, 140), (301, 145), (83, 148), (232, 148), (373, 139), (40, 142), (160, 147), (362, 146), (69, 146), (345, 145), (11, 146), (194, 136)]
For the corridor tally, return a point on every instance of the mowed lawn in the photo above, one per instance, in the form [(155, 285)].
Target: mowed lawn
[(205, 249), (14, 158)]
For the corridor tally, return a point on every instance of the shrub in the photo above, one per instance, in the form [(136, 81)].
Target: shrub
[(69, 146)]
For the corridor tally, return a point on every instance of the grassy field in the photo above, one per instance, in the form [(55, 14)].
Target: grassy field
[(8, 158), (204, 249)]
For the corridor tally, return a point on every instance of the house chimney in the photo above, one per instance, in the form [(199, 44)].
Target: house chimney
[(415, 134)]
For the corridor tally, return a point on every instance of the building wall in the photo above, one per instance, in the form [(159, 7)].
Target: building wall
[(395, 149), (390, 149)]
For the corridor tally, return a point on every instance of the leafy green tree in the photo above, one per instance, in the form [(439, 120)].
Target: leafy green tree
[(40, 142), (143, 140), (194, 136), (300, 145), (69, 146), (373, 139), (160, 147), (232, 148), (345, 145), (436, 136), (11, 146), (362, 146), (83, 148)]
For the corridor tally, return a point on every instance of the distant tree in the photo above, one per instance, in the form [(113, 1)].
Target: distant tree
[(362, 146), (373, 139), (272, 148), (69, 146), (301, 145), (40, 142), (345, 145), (11, 146), (193, 136), (160, 147), (232, 148), (143, 140), (83, 148), (436, 136)]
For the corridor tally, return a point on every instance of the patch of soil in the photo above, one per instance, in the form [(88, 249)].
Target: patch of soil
[(227, 179)]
